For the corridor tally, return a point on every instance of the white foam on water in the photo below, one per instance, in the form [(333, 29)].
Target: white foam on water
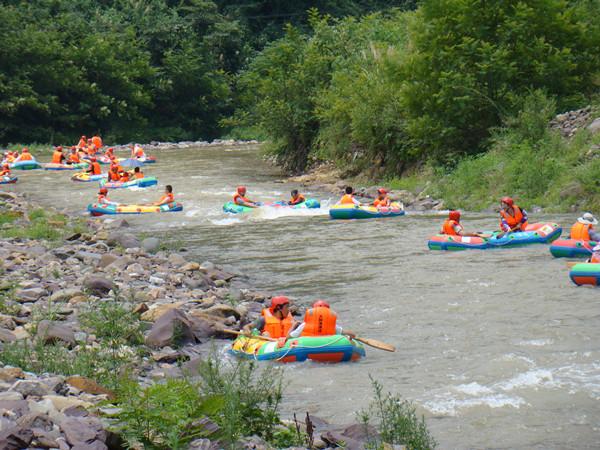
[(473, 389), (192, 212), (535, 342), (448, 405), (225, 222), (530, 379), (276, 213)]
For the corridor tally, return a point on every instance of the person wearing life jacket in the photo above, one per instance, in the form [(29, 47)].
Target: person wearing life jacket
[(82, 142), (382, 199), (113, 174), (110, 153), (97, 141), (512, 218), (58, 157), (583, 229), (319, 320), (296, 198), (5, 171), (240, 199), (348, 197), (94, 168), (275, 321), (595, 258), (137, 174), (168, 197), (25, 155), (452, 226), (139, 152), (73, 157), (124, 177), (103, 196)]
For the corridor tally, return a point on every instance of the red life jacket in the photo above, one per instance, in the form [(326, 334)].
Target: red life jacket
[(275, 327), (319, 321), (448, 227)]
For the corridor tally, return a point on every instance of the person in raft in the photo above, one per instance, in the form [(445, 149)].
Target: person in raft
[(5, 171), (348, 197), (103, 196), (319, 320), (275, 321), (239, 198), (94, 168), (73, 156), (58, 156), (25, 156), (167, 197), (382, 199), (296, 198), (595, 258), (512, 218), (113, 173), (583, 229), (137, 174)]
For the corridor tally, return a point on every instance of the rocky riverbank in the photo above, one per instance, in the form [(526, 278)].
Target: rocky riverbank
[(154, 146), (80, 311)]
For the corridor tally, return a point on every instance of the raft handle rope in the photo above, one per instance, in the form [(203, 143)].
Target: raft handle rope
[(310, 346)]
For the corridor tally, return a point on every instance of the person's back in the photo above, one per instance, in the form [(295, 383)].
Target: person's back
[(584, 230), (25, 156), (319, 321), (95, 168), (57, 156), (97, 141)]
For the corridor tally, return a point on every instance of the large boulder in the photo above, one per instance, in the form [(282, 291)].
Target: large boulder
[(15, 438), (594, 127), (7, 336), (98, 285), (51, 332), (151, 245), (84, 432), (30, 388), (125, 240), (65, 295), (30, 295), (173, 328)]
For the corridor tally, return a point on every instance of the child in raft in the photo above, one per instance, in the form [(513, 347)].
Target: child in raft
[(348, 197), (452, 226), (5, 171), (137, 174), (168, 197), (296, 198)]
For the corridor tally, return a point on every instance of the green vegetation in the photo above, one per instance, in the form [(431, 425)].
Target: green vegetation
[(39, 224), (396, 422)]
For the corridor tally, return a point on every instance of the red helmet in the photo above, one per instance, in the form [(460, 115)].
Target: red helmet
[(93, 159), (241, 190), (320, 304), (83, 137), (59, 148), (73, 147), (454, 215), (6, 166), (509, 201), (279, 301), (103, 191), (25, 149), (110, 149), (381, 191)]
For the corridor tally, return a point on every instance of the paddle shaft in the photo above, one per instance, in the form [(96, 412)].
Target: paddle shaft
[(253, 336)]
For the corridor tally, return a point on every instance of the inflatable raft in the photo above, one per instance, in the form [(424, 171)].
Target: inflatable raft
[(572, 248), (98, 209), (87, 178), (106, 160), (329, 349), (141, 183), (55, 166), (365, 212), (26, 165), (585, 273), (234, 208), (536, 233), (8, 180)]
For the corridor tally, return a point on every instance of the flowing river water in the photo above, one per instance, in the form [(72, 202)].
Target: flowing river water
[(497, 348)]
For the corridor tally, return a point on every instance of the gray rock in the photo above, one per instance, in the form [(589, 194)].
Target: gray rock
[(107, 259), (7, 336), (30, 387), (173, 328), (65, 295), (594, 127), (98, 285), (30, 295), (176, 260), (336, 439), (125, 240), (17, 408), (151, 244), (15, 438), (51, 332), (95, 445), (361, 432), (83, 430)]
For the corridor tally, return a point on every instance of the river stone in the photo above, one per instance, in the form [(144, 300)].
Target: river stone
[(7, 336), (151, 244), (224, 311), (98, 285), (89, 386), (61, 403), (594, 127), (106, 259), (361, 432), (125, 240), (82, 430), (154, 313), (176, 260), (52, 332), (30, 295), (15, 438), (172, 328), (336, 439), (189, 267), (65, 295), (30, 387), (11, 373)]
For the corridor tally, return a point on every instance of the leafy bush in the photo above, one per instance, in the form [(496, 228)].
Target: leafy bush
[(112, 322), (396, 422)]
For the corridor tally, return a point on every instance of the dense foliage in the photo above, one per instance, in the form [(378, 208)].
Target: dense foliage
[(396, 89)]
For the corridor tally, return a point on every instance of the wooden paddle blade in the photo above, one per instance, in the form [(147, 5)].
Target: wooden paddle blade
[(376, 344), (252, 336), (572, 263)]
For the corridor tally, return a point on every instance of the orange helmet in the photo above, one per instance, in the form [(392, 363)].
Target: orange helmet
[(103, 191), (93, 159), (241, 190), (509, 201), (25, 150), (320, 304), (381, 191), (59, 148), (279, 301), (454, 215)]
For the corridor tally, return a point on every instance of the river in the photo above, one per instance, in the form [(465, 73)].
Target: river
[(497, 348)]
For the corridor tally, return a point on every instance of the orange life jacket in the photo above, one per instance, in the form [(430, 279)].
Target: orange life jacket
[(383, 202), (448, 227), (4, 172), (513, 221), (297, 200), (124, 178), (581, 231), (97, 140), (57, 157), (96, 169), (319, 321), (347, 199), (82, 143), (114, 176), (240, 199), (167, 198), (25, 157), (74, 158), (275, 327), (138, 175), (139, 153), (595, 258)]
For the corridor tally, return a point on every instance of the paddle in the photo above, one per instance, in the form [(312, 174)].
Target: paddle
[(252, 336)]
